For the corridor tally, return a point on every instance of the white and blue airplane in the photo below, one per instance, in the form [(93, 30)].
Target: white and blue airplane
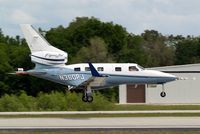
[(50, 64)]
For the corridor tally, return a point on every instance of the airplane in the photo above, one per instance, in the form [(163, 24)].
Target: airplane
[(50, 64)]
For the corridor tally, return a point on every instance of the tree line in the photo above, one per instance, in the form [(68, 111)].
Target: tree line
[(88, 39)]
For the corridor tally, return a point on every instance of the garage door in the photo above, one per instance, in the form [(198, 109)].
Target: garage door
[(135, 93)]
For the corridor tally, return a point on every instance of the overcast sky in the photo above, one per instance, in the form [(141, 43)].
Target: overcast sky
[(166, 16)]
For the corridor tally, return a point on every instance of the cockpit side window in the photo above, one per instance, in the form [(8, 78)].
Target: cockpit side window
[(132, 68), (140, 67)]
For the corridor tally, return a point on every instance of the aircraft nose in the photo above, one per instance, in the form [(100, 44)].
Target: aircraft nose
[(170, 77), (162, 77)]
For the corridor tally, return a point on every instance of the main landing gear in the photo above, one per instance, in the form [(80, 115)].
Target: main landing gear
[(163, 94), (87, 95)]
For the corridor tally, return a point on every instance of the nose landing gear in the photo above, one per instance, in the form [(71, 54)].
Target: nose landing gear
[(163, 94)]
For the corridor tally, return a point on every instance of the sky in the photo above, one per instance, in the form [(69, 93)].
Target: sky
[(177, 17)]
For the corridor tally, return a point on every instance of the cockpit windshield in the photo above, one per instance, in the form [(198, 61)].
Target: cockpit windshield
[(140, 67)]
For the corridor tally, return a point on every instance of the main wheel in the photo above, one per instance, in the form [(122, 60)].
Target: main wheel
[(89, 99), (84, 98), (163, 94)]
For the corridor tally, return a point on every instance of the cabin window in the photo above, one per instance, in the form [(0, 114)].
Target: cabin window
[(77, 69), (87, 69), (100, 69), (132, 68), (118, 69)]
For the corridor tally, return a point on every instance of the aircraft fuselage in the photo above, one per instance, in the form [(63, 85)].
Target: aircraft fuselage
[(117, 73)]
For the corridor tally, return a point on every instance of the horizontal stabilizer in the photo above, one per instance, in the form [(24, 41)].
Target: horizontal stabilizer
[(19, 73), (27, 73)]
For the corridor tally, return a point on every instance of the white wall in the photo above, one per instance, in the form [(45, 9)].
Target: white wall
[(122, 94), (180, 91)]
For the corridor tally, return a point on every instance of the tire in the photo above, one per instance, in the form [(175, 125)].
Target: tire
[(84, 99), (162, 94), (89, 99)]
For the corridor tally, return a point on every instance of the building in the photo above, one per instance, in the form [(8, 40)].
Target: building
[(186, 90)]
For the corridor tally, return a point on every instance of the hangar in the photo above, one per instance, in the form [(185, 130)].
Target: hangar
[(186, 90)]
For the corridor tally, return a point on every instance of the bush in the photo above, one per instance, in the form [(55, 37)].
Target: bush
[(51, 102), (74, 102), (54, 101), (101, 103), (28, 102), (11, 103)]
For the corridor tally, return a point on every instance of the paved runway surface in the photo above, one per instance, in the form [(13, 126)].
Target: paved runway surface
[(104, 123)]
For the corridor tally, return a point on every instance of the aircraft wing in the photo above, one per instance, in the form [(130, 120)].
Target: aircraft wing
[(96, 80)]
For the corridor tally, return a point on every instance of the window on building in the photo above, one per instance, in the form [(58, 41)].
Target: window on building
[(132, 68), (118, 69), (77, 69), (100, 69), (87, 69)]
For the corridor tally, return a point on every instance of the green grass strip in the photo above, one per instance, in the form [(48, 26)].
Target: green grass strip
[(103, 115)]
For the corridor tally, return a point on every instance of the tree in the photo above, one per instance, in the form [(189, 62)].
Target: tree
[(89, 39), (4, 69), (133, 51), (82, 29), (187, 51), (96, 52), (2, 38), (157, 51)]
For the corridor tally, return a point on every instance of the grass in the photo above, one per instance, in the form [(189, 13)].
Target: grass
[(128, 107), (103, 115), (155, 107), (56, 101)]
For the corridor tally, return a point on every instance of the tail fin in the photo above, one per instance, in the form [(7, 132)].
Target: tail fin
[(41, 51)]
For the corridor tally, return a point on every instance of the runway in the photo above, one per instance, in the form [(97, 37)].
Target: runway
[(100, 123)]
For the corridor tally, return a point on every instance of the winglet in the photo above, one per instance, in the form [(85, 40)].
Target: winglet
[(94, 71)]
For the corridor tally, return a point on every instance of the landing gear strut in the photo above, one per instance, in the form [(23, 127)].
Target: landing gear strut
[(163, 94), (87, 95)]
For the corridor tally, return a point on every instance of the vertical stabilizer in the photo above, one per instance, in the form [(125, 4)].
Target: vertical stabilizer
[(41, 51)]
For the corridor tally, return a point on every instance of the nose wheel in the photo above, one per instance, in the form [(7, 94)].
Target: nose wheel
[(163, 93)]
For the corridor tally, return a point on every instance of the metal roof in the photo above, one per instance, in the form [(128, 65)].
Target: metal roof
[(187, 67)]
